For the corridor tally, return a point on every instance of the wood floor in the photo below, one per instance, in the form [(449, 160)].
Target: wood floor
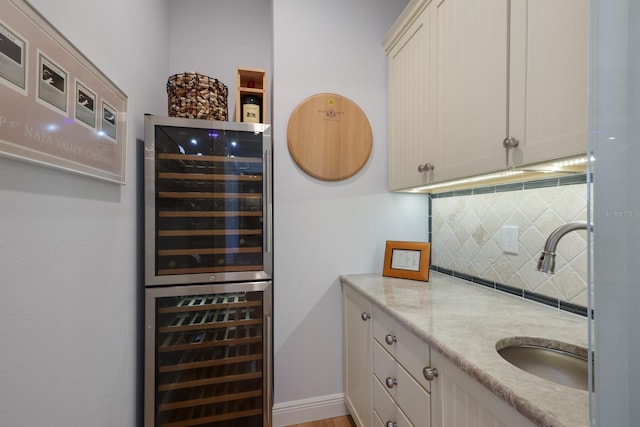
[(345, 421)]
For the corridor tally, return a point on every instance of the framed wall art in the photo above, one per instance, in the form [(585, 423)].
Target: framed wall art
[(57, 109), (407, 260)]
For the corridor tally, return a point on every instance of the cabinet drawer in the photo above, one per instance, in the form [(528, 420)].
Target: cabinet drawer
[(407, 348), (385, 409), (385, 331), (384, 366), (409, 395)]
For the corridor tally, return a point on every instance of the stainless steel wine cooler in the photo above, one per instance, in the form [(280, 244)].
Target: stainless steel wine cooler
[(208, 273)]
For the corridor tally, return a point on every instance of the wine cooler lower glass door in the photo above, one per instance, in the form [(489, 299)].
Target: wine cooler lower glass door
[(209, 357)]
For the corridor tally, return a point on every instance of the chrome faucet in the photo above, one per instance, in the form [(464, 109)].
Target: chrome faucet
[(547, 261)]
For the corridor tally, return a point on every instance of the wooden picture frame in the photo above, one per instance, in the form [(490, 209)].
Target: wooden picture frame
[(52, 96), (407, 260)]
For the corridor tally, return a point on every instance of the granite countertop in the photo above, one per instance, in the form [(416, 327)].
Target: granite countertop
[(464, 321)]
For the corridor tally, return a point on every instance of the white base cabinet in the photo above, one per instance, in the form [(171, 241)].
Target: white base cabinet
[(387, 412), (459, 400), (358, 360), (399, 358), (386, 368), (383, 364)]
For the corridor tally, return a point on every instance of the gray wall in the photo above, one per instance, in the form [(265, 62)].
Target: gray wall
[(68, 294), (69, 308), (324, 229), (215, 37)]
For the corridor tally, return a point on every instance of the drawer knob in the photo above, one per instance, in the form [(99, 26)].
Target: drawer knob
[(427, 167), (430, 374), (365, 316), (391, 424), (391, 382), (390, 339)]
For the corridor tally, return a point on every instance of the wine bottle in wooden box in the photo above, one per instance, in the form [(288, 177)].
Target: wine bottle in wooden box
[(251, 109)]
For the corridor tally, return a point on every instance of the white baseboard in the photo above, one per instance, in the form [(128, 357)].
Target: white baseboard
[(307, 410)]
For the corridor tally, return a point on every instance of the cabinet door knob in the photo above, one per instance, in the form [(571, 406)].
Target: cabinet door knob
[(510, 142), (391, 382), (390, 424), (427, 167), (390, 339), (430, 373), (365, 316)]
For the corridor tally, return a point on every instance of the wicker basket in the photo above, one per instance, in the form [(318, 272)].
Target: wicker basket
[(195, 96)]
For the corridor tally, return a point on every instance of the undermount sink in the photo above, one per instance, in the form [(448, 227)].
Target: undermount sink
[(555, 361)]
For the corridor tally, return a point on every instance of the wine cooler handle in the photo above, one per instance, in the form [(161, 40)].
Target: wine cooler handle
[(268, 202)]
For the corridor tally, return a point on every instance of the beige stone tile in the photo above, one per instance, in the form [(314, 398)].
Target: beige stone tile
[(467, 237)]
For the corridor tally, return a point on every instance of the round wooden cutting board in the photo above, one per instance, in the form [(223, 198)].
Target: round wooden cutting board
[(329, 137)]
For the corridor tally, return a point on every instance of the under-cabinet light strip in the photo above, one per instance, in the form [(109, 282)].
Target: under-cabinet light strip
[(553, 167), (469, 180)]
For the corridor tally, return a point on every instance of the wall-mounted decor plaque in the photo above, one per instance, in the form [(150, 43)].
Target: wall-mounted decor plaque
[(329, 137), (56, 108)]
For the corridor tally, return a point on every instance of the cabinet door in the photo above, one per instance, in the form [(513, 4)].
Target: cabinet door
[(472, 95), (358, 359), (412, 94), (549, 43), (459, 400)]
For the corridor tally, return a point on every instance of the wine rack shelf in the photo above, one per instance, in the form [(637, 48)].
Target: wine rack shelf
[(209, 360), (210, 214)]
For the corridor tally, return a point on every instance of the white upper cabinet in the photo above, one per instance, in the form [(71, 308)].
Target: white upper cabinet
[(472, 87), (466, 75), (548, 79), (412, 96)]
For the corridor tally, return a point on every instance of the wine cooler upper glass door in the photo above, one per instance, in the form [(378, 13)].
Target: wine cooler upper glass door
[(208, 201)]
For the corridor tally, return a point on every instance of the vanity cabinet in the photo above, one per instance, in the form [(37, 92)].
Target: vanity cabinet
[(465, 76)]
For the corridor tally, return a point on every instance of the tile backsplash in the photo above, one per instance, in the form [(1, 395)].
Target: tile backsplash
[(466, 235)]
